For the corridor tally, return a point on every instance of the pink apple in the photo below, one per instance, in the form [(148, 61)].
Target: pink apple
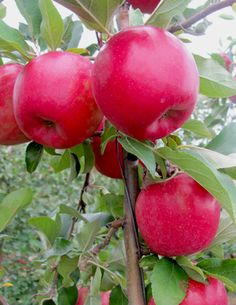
[(146, 6), (9, 131), (145, 82), (177, 217), (53, 101), (83, 293), (213, 293)]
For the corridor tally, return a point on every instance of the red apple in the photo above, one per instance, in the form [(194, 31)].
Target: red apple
[(83, 292), (146, 82), (107, 163), (9, 132), (177, 217), (53, 101), (146, 6), (213, 293)]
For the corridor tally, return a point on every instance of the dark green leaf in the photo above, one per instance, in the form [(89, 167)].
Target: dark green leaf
[(109, 134), (66, 266), (68, 296), (62, 162), (192, 270), (34, 152), (117, 297), (60, 247), (74, 167)]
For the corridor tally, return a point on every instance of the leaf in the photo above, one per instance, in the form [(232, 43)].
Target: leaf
[(64, 209), (165, 12), (89, 157), (67, 296), (31, 12), (117, 297), (62, 162), (3, 11), (114, 204), (48, 302), (215, 81), (224, 142), (12, 204), (12, 40), (224, 270), (52, 26), (96, 283), (74, 167), (216, 183), (72, 33), (65, 267), (167, 276), (60, 247), (192, 270), (47, 226), (109, 134), (141, 150), (87, 235), (96, 15), (34, 152), (135, 17), (197, 127)]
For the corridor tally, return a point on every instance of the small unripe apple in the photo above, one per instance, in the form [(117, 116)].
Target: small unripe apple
[(212, 293), (53, 101), (145, 82), (107, 162), (10, 133), (177, 217), (146, 6), (83, 293)]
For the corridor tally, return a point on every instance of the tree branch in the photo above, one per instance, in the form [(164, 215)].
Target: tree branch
[(3, 301), (201, 15)]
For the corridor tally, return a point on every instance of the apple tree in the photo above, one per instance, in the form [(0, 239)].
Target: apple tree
[(149, 129)]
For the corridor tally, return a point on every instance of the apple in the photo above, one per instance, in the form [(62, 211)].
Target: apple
[(53, 101), (213, 293), (145, 82), (146, 6), (10, 133), (107, 163), (83, 293), (177, 217)]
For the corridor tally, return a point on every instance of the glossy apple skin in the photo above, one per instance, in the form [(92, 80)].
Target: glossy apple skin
[(53, 101), (177, 217), (146, 6), (83, 292), (146, 82), (213, 293), (10, 133), (107, 163)]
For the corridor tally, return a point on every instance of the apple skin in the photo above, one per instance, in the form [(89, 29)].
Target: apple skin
[(10, 134), (177, 217), (83, 292), (145, 82), (146, 6), (213, 293), (107, 163), (53, 101)]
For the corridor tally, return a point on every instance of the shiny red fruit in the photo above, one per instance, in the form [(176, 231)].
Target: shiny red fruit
[(107, 163), (146, 82), (9, 131), (146, 6), (213, 293), (83, 292), (53, 101), (177, 217)]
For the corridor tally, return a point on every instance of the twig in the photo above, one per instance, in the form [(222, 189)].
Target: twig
[(201, 15), (3, 301)]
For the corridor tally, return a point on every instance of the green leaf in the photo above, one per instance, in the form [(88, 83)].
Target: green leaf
[(62, 162), (114, 204), (47, 226), (96, 15), (117, 297), (66, 266), (89, 157), (109, 134), (12, 204), (165, 12), (215, 81), (3, 11), (224, 142), (224, 270), (96, 283), (142, 151), (135, 17), (72, 33), (31, 12), (67, 296), (34, 152), (48, 302), (12, 40), (60, 247), (52, 26), (192, 270), (167, 276), (74, 167), (197, 127), (88, 234), (64, 209)]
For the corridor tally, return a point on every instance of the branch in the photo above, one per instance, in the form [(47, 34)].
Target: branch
[(201, 15), (3, 301)]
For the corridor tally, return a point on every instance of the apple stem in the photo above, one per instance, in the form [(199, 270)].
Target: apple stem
[(135, 280)]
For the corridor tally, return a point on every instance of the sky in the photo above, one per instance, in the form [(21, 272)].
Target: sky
[(218, 32)]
